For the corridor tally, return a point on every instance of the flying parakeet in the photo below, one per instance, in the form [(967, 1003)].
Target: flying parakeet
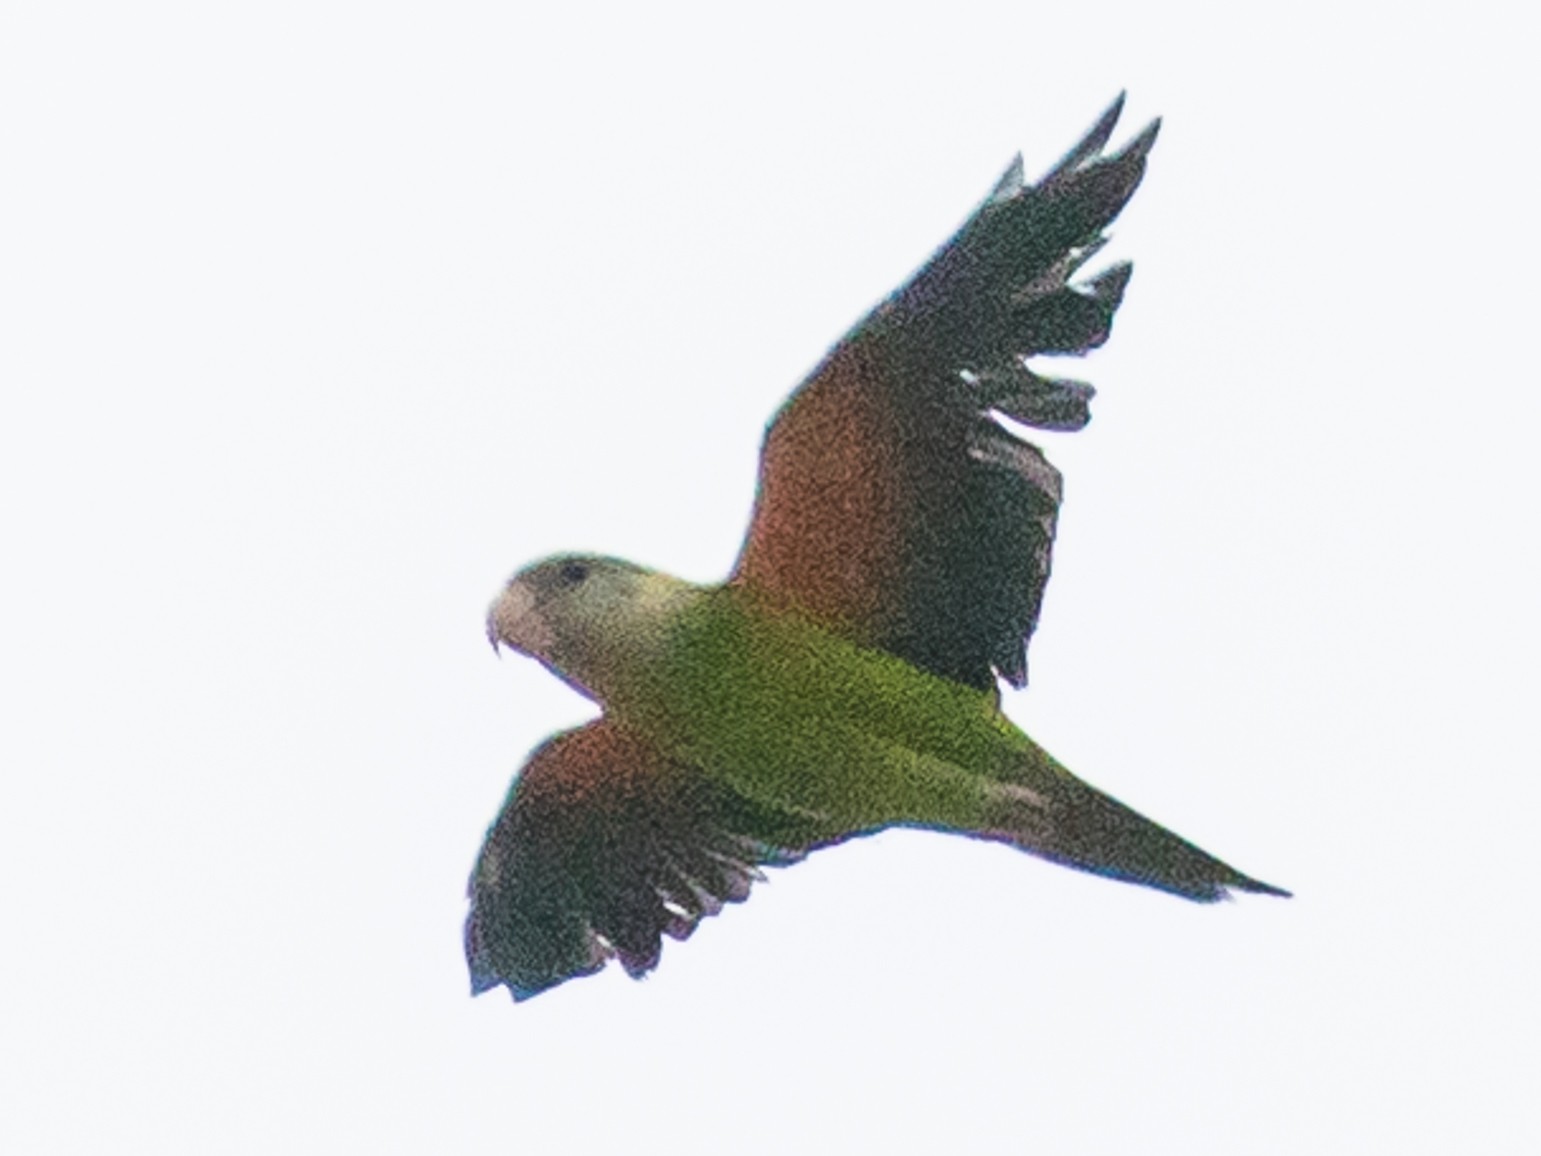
[(844, 678)]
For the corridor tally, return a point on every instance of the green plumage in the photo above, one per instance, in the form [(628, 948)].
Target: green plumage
[(793, 715), (838, 739)]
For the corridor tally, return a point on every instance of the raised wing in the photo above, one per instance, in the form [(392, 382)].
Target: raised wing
[(893, 505), (604, 846)]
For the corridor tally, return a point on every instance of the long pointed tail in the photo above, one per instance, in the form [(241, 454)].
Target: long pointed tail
[(1048, 811)]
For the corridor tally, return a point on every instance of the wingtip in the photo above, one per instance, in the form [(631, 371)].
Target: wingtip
[(482, 980), (1109, 285), (1140, 146), (518, 992), (1010, 183), (1103, 129), (1091, 144)]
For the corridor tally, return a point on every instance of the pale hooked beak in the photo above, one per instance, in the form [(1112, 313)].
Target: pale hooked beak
[(514, 622)]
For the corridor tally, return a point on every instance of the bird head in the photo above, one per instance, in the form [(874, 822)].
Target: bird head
[(583, 616)]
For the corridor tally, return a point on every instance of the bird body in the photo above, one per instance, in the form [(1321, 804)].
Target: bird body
[(792, 715), (844, 678)]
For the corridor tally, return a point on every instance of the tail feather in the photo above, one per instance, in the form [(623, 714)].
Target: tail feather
[(1074, 824)]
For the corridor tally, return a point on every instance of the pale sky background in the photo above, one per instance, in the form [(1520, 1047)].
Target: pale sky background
[(319, 319)]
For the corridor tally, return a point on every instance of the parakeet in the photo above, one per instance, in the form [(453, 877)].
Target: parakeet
[(844, 678)]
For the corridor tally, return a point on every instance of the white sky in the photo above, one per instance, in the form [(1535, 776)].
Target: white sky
[(318, 319)]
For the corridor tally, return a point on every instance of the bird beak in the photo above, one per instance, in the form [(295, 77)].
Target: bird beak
[(513, 621)]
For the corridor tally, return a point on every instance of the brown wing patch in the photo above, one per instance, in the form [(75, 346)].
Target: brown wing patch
[(827, 521)]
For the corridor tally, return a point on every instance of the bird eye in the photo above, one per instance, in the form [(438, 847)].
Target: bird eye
[(573, 573)]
